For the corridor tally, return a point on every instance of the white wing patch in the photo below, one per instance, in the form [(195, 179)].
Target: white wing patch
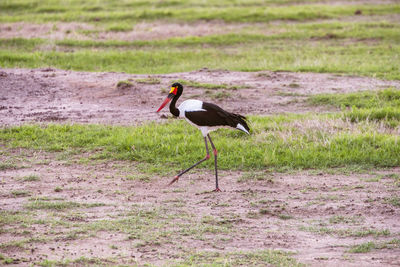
[(190, 105)]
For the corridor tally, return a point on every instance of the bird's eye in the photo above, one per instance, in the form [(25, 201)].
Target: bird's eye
[(173, 90)]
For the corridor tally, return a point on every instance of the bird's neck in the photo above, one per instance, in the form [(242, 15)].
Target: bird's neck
[(172, 107)]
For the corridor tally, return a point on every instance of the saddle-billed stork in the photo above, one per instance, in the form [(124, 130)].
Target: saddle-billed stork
[(205, 116)]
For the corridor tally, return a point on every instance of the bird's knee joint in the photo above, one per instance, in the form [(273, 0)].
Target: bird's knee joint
[(215, 152), (207, 156)]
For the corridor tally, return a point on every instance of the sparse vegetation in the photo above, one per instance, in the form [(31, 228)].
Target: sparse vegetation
[(6, 165), (149, 80), (124, 84), (252, 51), (394, 200), (255, 175), (337, 219), (20, 193), (322, 174), (119, 27), (345, 232), (47, 204), (369, 246), (210, 85), (381, 106), (318, 143), (31, 178), (273, 257)]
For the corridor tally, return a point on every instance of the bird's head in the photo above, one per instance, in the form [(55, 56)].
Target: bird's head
[(176, 91)]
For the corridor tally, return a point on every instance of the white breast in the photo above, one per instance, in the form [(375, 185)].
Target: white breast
[(190, 105)]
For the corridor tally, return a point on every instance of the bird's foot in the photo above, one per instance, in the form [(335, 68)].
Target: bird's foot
[(217, 190), (174, 180)]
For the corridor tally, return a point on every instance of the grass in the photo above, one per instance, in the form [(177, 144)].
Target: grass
[(209, 85), (340, 219), (58, 205), (239, 258), (277, 142), (369, 246), (7, 166), (389, 97), (81, 261), (255, 176), (346, 232), (11, 217), (8, 260), (20, 193), (31, 178), (149, 80), (356, 48), (380, 105), (189, 11), (124, 84), (51, 205), (118, 27), (394, 200), (377, 60), (305, 36)]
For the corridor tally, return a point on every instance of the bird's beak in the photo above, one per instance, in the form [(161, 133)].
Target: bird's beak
[(166, 101)]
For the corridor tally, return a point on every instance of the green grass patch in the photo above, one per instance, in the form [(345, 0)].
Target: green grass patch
[(381, 105), (276, 142), (365, 60), (149, 80), (367, 99), (239, 258), (7, 166), (31, 178), (340, 219), (394, 200), (209, 85), (128, 12), (20, 193), (124, 84), (369, 246), (119, 27), (255, 176), (51, 205), (11, 217), (8, 260), (21, 43), (59, 205), (176, 42), (81, 261), (347, 232), (365, 47)]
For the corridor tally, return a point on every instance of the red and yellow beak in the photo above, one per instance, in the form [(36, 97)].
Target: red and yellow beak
[(170, 96)]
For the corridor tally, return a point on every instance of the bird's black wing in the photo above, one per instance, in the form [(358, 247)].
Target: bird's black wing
[(213, 115)]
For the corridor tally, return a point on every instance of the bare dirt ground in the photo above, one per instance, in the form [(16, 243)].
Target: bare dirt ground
[(318, 217), (45, 95), (120, 215)]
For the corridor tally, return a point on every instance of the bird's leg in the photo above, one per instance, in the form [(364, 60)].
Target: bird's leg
[(215, 164), (194, 165)]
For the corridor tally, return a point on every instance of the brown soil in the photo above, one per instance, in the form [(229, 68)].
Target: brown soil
[(252, 210), (45, 95), (289, 212)]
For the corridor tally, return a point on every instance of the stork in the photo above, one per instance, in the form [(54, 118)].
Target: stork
[(206, 117)]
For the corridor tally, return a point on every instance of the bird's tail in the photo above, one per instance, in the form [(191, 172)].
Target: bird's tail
[(239, 122)]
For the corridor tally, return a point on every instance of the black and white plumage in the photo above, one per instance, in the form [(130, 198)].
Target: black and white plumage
[(205, 116)]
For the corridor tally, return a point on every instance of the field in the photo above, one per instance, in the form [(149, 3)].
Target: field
[(85, 160)]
